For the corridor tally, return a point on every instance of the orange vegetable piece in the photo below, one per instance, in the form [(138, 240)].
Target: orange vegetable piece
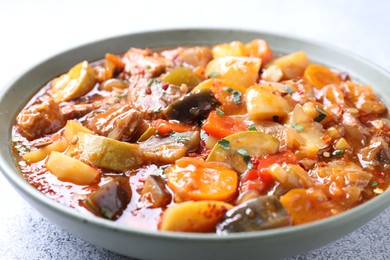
[(116, 60), (260, 49), (195, 179), (221, 126), (230, 94), (164, 127), (320, 76), (307, 205)]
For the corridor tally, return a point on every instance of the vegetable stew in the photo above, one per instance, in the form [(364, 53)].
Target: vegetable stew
[(225, 138)]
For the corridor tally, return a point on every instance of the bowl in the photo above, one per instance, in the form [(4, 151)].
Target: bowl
[(139, 243)]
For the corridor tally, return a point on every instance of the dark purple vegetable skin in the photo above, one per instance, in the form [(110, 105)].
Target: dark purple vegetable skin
[(111, 199), (264, 212)]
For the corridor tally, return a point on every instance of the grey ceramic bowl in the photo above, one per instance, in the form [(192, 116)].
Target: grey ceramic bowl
[(144, 244)]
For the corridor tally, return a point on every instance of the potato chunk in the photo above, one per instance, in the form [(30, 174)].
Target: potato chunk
[(41, 153), (292, 65), (191, 216), (108, 153), (235, 48), (242, 70), (263, 103), (78, 81), (72, 170)]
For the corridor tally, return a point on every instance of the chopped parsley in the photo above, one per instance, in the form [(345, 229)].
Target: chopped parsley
[(275, 119), (252, 127), (151, 82), (118, 96), (159, 172), (180, 138), (338, 152), (321, 116), (106, 213), (288, 89), (236, 94), (298, 127), (213, 74), (374, 183), (246, 156), (219, 112), (225, 144)]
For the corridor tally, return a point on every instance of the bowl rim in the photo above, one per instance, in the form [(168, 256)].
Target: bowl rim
[(15, 178)]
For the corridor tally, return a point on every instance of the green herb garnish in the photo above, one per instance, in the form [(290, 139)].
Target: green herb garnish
[(151, 82), (236, 94), (219, 112), (159, 172), (246, 156), (106, 213), (225, 144), (298, 127), (275, 119), (288, 89), (213, 74), (338, 152), (374, 183), (321, 116), (252, 128)]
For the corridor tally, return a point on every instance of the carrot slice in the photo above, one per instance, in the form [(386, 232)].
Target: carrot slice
[(195, 179), (164, 127), (221, 126), (320, 76)]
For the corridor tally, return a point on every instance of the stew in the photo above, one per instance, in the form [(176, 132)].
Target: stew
[(227, 138)]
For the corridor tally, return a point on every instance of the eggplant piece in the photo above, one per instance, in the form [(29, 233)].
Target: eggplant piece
[(168, 149), (155, 192), (264, 212), (111, 199), (192, 107)]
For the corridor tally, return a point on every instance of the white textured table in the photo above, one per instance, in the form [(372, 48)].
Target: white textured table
[(33, 30)]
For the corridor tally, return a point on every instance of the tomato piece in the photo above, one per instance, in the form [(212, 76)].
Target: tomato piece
[(222, 126), (164, 127), (279, 158)]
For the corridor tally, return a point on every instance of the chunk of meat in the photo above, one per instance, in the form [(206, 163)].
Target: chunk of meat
[(40, 119), (377, 154), (197, 56), (150, 97), (71, 111), (144, 61), (119, 122)]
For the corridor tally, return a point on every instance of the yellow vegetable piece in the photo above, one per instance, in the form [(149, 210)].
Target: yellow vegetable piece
[(235, 149), (78, 81), (292, 65), (235, 48), (147, 134), (72, 170), (108, 153), (263, 103), (41, 153), (242, 70), (191, 216), (182, 76), (230, 94), (72, 128)]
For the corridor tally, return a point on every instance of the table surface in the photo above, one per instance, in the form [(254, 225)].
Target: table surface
[(34, 30)]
